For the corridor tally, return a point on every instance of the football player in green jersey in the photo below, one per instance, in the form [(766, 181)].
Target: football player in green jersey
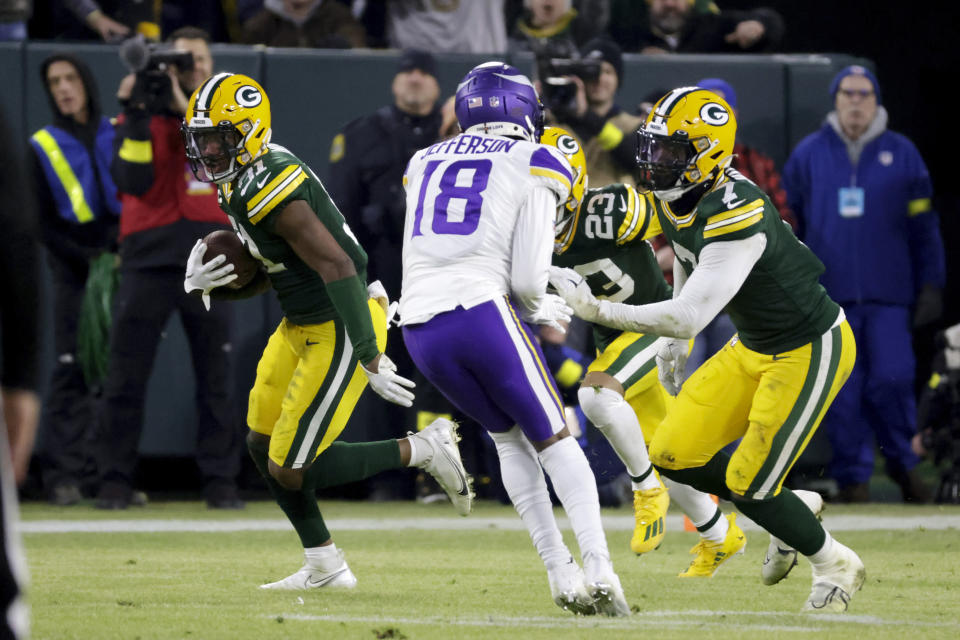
[(330, 343), (599, 237), (771, 384)]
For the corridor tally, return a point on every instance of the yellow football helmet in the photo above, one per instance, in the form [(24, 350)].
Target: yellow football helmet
[(571, 149), (687, 140), (226, 127)]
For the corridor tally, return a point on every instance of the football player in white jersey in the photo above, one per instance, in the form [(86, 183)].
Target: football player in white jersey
[(478, 238)]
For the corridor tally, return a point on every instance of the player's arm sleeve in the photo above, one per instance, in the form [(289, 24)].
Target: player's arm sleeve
[(679, 276), (923, 222), (318, 246), (533, 248), (722, 270), (132, 166)]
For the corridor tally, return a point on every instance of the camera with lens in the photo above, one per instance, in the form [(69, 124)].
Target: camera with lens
[(555, 68), (150, 61), (938, 422)]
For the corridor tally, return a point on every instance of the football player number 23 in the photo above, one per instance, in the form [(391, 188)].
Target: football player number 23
[(451, 188)]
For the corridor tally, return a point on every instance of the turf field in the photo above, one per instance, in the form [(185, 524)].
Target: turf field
[(176, 570)]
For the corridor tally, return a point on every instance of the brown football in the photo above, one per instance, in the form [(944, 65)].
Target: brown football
[(229, 244)]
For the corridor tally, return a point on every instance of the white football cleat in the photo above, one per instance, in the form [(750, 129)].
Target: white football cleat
[(603, 586), (568, 588), (835, 585), (444, 463), (781, 559), (309, 577)]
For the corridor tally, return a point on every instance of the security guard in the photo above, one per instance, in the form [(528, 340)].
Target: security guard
[(367, 160), (368, 157), (78, 210)]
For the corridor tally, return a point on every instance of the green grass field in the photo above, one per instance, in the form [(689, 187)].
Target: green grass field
[(177, 570)]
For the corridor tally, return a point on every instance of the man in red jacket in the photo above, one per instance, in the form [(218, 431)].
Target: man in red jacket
[(163, 211)]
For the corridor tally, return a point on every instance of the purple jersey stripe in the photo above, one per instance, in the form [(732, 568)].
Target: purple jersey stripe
[(546, 160)]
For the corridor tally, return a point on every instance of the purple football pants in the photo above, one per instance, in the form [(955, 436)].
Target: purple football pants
[(488, 363)]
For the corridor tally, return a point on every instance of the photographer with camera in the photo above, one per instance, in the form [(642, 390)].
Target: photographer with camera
[(938, 416), (579, 94), (164, 209)]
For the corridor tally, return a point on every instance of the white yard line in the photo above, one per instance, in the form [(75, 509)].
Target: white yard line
[(785, 622), (610, 523)]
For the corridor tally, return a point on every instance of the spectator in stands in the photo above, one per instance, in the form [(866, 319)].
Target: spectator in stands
[(91, 14), (368, 156), (629, 19), (861, 196), (367, 161), (304, 23), (555, 27), (676, 26), (78, 208), (163, 211), (590, 112), (19, 380), (13, 19), (478, 26)]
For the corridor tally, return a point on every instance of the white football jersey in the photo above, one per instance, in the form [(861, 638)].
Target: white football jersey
[(464, 196)]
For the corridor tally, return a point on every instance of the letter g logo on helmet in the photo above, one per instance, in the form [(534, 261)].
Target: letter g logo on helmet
[(248, 96), (568, 145), (714, 113)]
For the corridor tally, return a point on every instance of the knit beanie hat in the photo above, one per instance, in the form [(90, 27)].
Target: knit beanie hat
[(855, 70), (607, 50)]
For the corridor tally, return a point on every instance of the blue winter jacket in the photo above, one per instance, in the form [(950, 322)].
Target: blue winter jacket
[(885, 255)]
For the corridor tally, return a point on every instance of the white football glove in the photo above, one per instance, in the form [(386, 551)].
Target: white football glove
[(671, 363), (377, 291), (388, 384), (552, 312), (206, 276), (571, 286)]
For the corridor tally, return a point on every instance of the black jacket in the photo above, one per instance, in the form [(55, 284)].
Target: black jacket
[(367, 161)]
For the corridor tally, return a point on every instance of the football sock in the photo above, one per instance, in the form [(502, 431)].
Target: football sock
[(574, 484), (701, 510), (616, 420), (523, 479), (346, 462), (300, 506), (825, 555), (325, 558), (786, 517), (418, 453)]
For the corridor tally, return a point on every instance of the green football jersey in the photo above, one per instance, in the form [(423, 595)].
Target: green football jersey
[(605, 245), (781, 305), (252, 203)]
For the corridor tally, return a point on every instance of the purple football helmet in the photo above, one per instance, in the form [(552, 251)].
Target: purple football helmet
[(495, 98)]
